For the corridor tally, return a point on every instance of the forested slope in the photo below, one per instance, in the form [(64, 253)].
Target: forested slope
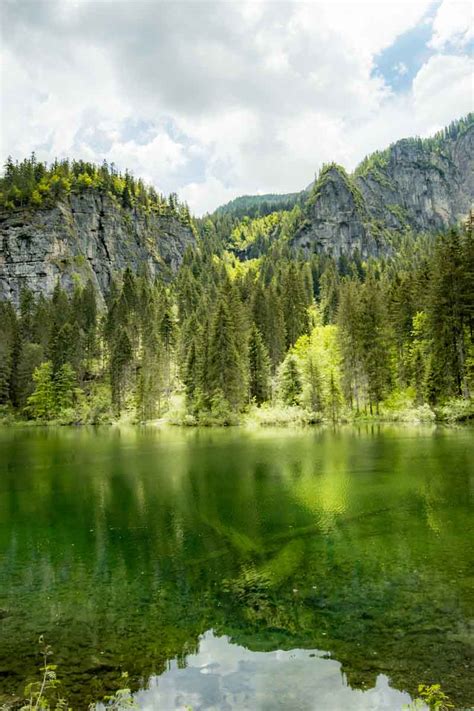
[(242, 319)]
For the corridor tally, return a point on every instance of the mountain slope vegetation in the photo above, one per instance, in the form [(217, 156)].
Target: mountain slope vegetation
[(322, 312)]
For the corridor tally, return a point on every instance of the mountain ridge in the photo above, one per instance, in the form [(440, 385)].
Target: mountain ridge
[(423, 185), (77, 221)]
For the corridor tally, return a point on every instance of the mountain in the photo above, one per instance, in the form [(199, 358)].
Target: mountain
[(86, 231), (423, 185), (420, 185), (75, 220)]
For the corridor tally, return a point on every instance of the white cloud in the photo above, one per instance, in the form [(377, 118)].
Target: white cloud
[(443, 82), (453, 25), (237, 97), (207, 195)]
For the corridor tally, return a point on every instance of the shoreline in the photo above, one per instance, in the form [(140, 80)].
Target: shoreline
[(247, 423)]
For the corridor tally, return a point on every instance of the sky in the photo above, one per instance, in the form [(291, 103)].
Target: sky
[(218, 99)]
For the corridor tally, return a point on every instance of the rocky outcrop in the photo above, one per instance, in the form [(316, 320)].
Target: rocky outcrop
[(420, 185), (336, 217), (85, 236)]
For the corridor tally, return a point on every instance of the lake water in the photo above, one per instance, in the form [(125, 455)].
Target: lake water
[(229, 569)]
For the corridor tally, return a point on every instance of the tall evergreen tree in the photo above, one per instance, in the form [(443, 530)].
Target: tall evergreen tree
[(290, 384), (227, 369), (259, 368)]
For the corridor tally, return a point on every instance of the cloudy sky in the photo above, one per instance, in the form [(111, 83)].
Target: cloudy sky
[(218, 99)]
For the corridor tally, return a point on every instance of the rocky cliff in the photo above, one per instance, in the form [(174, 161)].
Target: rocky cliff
[(422, 185), (85, 235)]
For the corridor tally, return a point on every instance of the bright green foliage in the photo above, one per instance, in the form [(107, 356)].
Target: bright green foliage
[(42, 402), (431, 696), (53, 393), (33, 183), (320, 363)]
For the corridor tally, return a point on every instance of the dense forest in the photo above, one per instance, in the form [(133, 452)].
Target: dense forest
[(277, 338), (32, 183)]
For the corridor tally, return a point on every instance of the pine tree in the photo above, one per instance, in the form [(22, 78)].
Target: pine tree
[(374, 341), (349, 321), (120, 359), (448, 317), (329, 292), (275, 331), (259, 368), (333, 397), (313, 383), (63, 387), (226, 365), (290, 381), (294, 305), (31, 357), (42, 403)]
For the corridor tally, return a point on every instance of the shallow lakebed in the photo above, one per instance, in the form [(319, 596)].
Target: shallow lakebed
[(229, 569)]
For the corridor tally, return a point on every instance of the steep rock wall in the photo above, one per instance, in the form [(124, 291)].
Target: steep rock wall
[(86, 236), (425, 186)]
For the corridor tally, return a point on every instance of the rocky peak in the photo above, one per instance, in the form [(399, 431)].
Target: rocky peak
[(424, 185), (335, 216)]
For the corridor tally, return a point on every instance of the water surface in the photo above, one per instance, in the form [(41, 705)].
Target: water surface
[(275, 569)]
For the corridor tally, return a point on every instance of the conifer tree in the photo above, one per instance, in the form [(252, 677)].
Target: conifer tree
[(259, 368), (374, 341), (294, 305), (313, 383), (63, 387), (42, 402), (290, 384), (120, 359), (448, 304), (226, 366), (349, 321), (275, 331), (329, 292), (31, 357)]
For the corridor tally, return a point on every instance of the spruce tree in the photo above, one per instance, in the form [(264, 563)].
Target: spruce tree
[(259, 368), (289, 380), (374, 341), (226, 365), (119, 359), (294, 304), (63, 387), (448, 317), (349, 321), (42, 402)]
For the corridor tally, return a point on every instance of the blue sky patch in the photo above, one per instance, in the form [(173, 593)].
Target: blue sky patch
[(400, 63)]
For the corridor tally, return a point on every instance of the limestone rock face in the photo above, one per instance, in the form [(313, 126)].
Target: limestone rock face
[(86, 236), (336, 217), (421, 185)]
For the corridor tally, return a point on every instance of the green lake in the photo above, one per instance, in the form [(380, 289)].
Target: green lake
[(235, 569)]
